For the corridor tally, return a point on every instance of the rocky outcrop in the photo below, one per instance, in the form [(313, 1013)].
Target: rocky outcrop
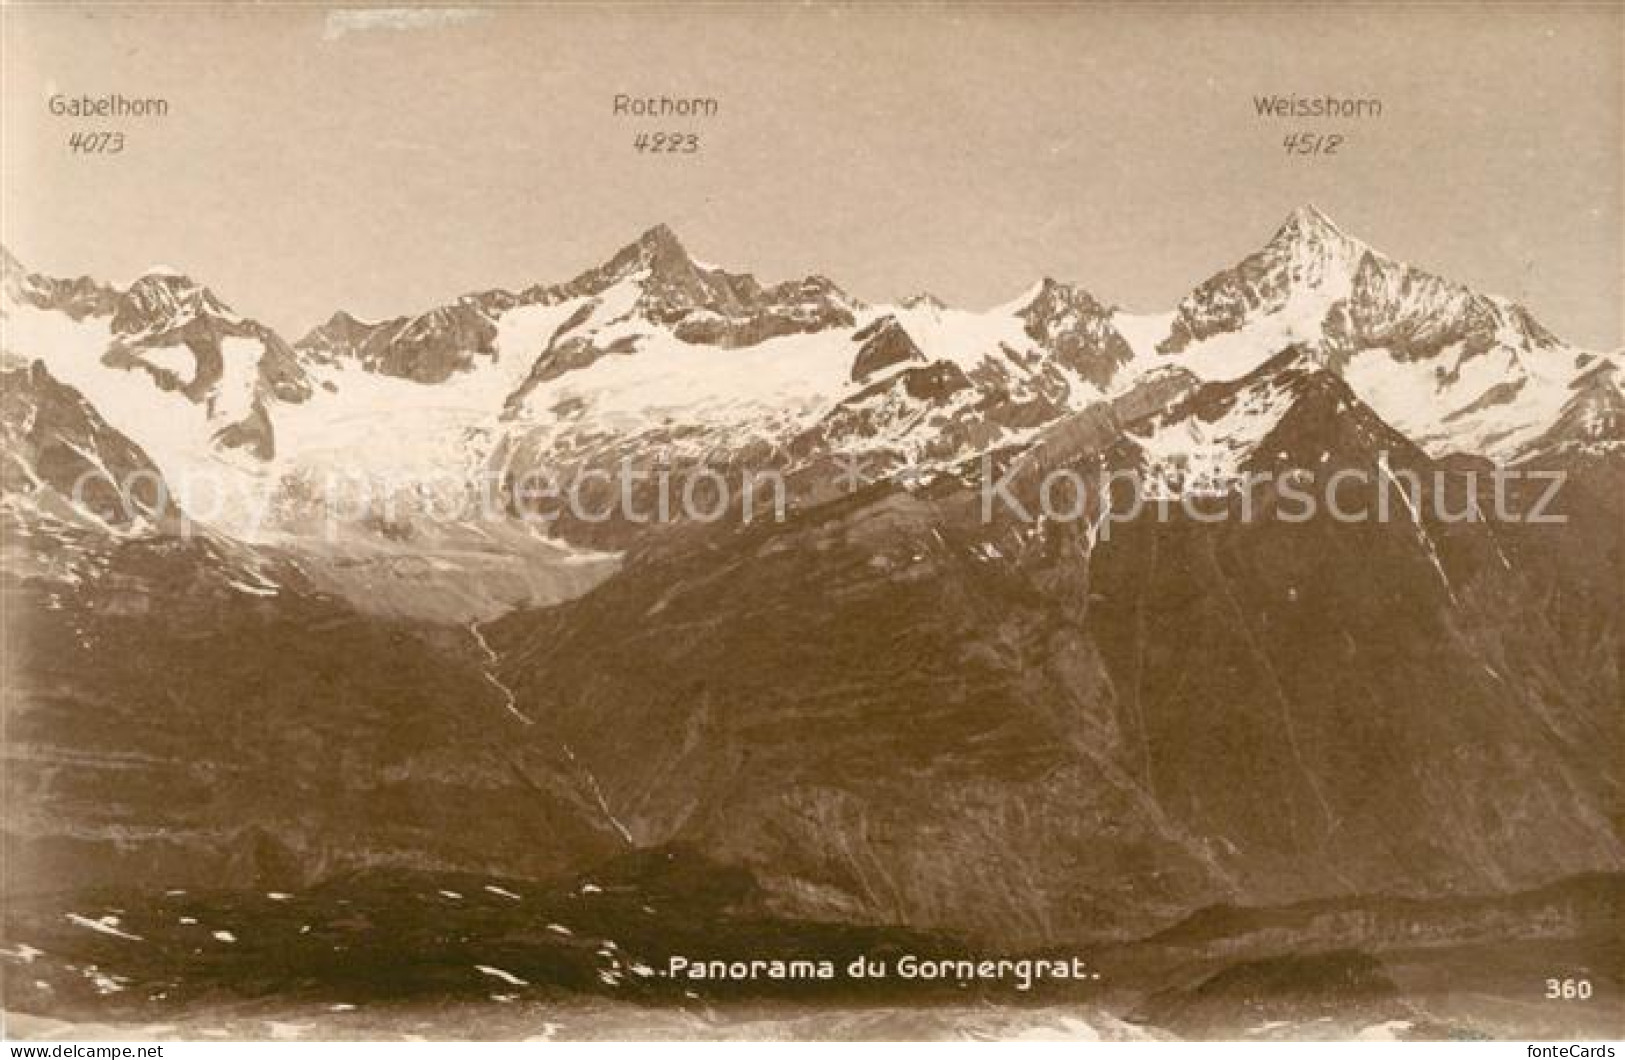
[(1077, 331), (698, 304), (885, 344), (60, 459), (428, 348), (1591, 422), (1418, 315), (78, 298)]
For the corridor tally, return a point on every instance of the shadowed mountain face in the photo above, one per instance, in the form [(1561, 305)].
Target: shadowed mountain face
[(238, 367), (893, 711), (890, 709), (191, 713), (61, 458), (1079, 330), (1306, 256)]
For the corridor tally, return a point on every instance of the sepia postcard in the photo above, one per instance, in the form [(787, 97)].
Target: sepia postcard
[(821, 521)]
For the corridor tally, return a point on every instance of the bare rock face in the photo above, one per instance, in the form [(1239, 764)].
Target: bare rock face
[(936, 382), (78, 298), (238, 365), (429, 348), (1350, 298), (62, 460), (143, 665), (1419, 315), (671, 283), (341, 336), (885, 345), (907, 704), (1078, 331), (1456, 370)]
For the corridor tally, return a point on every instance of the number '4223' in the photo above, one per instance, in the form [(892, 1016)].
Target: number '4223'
[(667, 143)]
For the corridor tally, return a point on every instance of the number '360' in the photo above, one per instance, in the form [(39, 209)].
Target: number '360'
[(1568, 989)]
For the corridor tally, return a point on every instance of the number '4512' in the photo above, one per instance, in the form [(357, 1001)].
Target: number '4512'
[(1312, 143)]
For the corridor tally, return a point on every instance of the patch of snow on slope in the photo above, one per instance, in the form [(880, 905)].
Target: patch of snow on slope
[(106, 925), (164, 424), (1433, 409), (1232, 355), (1142, 332), (233, 397), (383, 433), (965, 338), (1194, 454), (667, 380), (498, 973)]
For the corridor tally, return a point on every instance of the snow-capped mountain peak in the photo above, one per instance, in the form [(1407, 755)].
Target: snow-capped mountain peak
[(1078, 331), (1307, 266), (163, 300), (660, 246), (1309, 222), (924, 300), (657, 254), (166, 361), (1455, 369), (1315, 250)]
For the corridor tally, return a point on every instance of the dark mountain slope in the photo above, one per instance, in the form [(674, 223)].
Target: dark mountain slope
[(892, 711), (187, 712)]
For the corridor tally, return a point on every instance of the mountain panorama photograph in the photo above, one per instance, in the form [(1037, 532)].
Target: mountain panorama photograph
[(823, 522)]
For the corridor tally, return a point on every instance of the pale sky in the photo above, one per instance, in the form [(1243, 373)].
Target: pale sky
[(383, 164)]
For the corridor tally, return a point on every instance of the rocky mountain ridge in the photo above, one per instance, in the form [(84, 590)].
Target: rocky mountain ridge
[(894, 707)]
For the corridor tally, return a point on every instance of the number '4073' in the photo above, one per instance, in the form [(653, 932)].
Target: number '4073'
[(96, 143)]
